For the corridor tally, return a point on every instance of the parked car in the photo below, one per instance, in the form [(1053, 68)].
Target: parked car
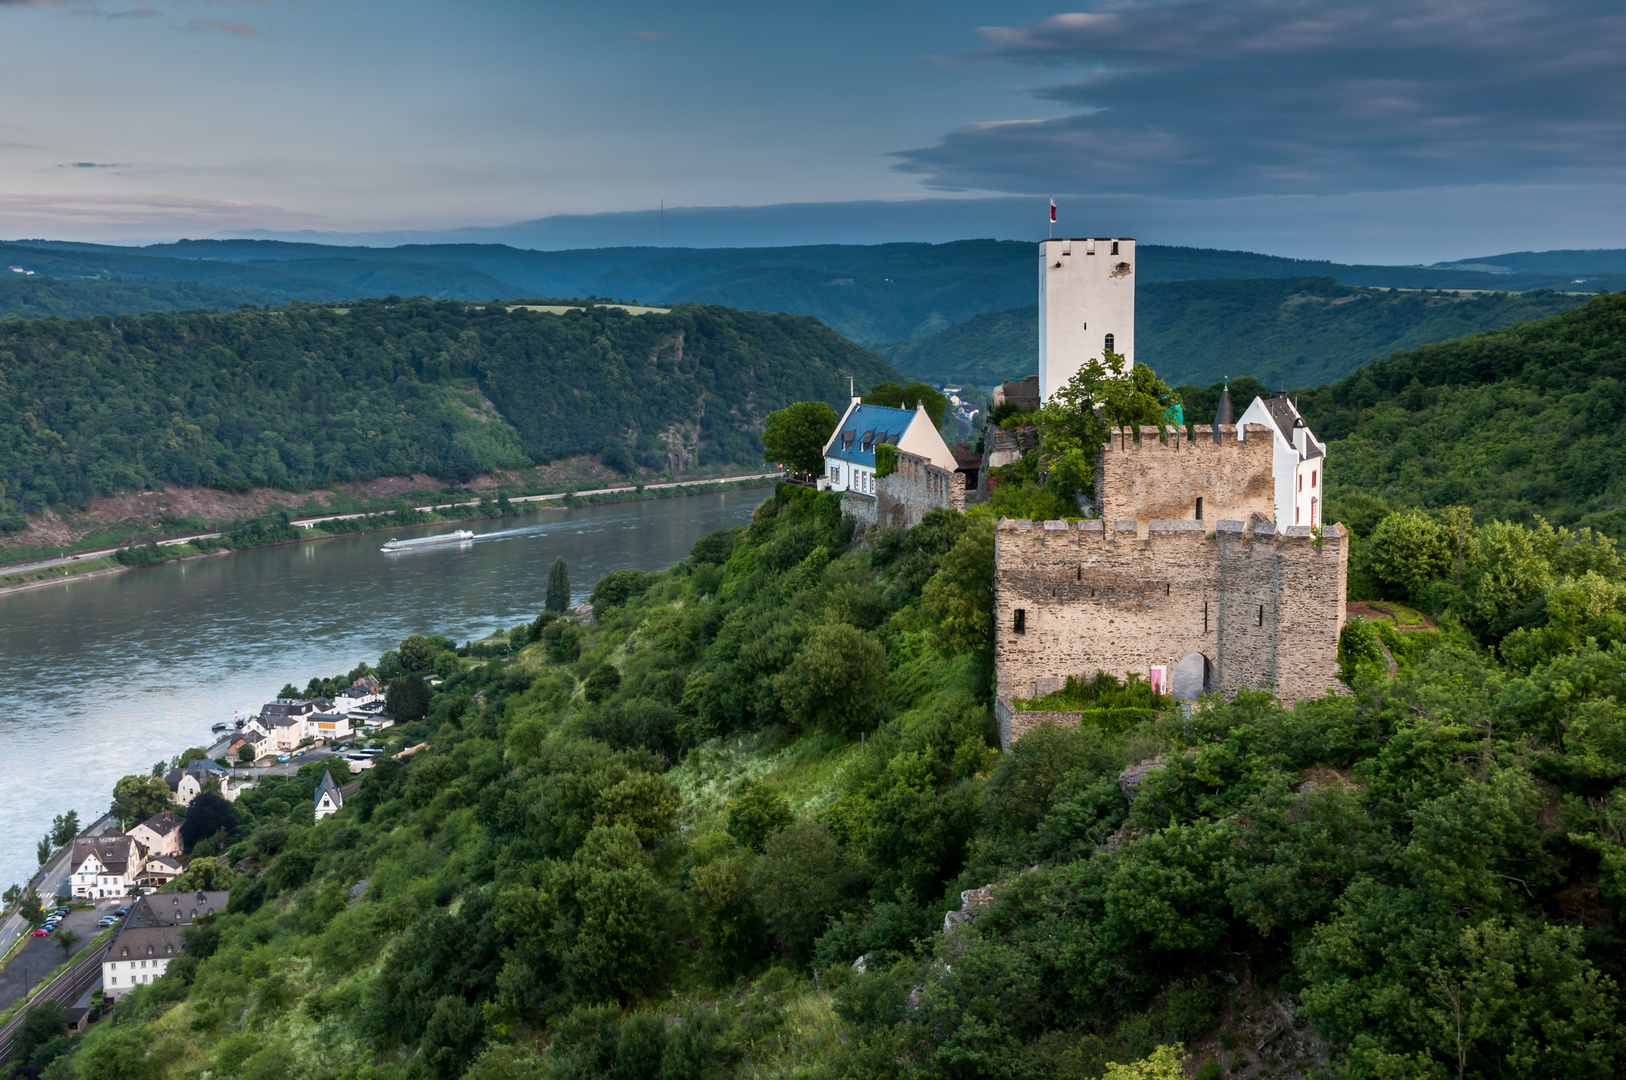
[(41, 932), (122, 911), (282, 757), (107, 920), (59, 912)]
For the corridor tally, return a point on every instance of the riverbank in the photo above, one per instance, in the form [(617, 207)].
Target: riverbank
[(281, 529)]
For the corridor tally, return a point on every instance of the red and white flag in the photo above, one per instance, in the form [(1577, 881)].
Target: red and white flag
[(1052, 211)]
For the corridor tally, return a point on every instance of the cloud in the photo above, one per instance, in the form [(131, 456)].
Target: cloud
[(94, 216), (200, 25), (1227, 97), (645, 35)]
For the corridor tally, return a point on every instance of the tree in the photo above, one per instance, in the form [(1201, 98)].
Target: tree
[(191, 754), (208, 814), (916, 393), (44, 1022), (32, 911), (558, 599), (835, 682), (44, 849), (798, 884), (407, 699), (136, 798), (417, 654), (246, 754), (1407, 551), (65, 940), (757, 814), (64, 827), (795, 436), (1165, 1063), (204, 874), (959, 598)]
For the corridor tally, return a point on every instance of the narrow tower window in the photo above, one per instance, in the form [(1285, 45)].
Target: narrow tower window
[(1205, 616), (1199, 508), (1020, 624), (1115, 247), (1261, 614), (1080, 573), (1109, 344)]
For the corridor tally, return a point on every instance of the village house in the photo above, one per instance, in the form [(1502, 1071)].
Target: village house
[(364, 691), (327, 725), (330, 796), (161, 870), (849, 454), (106, 865), (159, 834), (151, 937), (185, 784)]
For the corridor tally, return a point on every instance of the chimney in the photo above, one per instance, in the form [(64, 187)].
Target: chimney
[(1226, 413)]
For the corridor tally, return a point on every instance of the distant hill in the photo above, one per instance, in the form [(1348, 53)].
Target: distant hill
[(1283, 331), (1514, 422), (308, 394), (874, 295)]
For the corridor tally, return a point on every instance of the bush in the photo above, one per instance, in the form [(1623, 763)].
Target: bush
[(835, 681)]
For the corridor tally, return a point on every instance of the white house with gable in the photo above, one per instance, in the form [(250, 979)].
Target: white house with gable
[(106, 865), (1299, 460), (849, 455)]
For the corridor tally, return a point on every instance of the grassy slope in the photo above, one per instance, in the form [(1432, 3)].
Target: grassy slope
[(1285, 332)]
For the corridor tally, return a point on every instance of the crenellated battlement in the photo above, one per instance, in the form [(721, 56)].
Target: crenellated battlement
[(1187, 474), (1254, 604)]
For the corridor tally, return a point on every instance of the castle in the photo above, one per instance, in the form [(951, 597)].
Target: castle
[(1208, 568)]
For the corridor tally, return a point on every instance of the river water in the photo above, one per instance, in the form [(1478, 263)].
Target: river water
[(107, 676)]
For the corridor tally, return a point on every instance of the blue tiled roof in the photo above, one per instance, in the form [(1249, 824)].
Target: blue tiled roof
[(881, 423)]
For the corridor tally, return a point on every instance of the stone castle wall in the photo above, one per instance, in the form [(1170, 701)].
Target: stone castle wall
[(1265, 606), (907, 494), (1153, 480), (917, 486)]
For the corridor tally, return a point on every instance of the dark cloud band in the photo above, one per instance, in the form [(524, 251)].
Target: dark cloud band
[(1258, 96)]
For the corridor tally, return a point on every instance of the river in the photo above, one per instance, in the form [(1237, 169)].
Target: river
[(104, 677)]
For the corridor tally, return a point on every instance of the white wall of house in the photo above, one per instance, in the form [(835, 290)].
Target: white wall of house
[(121, 976)]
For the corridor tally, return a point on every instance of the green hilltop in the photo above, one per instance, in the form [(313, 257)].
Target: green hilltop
[(308, 395)]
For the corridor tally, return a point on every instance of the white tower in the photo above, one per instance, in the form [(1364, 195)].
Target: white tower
[(1086, 306)]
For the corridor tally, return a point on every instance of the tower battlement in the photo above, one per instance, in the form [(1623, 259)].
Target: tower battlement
[(1240, 603), (1188, 475)]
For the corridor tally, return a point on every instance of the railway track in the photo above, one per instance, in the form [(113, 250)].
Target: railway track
[(65, 989)]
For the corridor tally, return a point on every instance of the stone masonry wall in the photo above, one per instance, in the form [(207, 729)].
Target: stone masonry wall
[(1152, 480), (904, 496), (1263, 605), (861, 507)]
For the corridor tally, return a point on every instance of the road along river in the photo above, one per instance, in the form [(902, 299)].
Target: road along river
[(107, 676)]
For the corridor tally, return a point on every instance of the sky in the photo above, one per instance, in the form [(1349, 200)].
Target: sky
[(1413, 131)]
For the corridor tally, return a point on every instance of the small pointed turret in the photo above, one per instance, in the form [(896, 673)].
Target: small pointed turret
[(1226, 413)]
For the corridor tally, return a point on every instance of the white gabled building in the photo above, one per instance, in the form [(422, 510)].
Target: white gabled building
[(329, 799), (152, 936), (1299, 459), (106, 865), (849, 454)]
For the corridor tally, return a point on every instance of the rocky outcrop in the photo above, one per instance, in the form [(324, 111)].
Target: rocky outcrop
[(1129, 781)]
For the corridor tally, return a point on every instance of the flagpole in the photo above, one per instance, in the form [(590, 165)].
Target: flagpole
[(1052, 215)]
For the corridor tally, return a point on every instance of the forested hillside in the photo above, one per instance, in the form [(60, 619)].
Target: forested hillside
[(1283, 331), (872, 294), (309, 395), (1512, 423), (716, 831)]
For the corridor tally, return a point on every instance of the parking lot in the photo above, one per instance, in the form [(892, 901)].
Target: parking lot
[(42, 955)]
